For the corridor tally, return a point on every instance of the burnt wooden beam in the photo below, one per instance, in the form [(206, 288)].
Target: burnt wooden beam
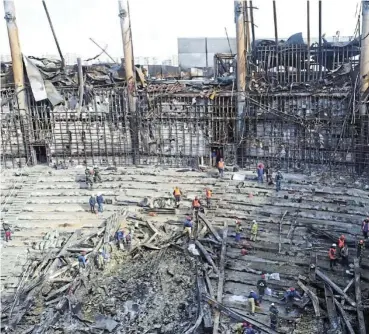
[(210, 227), (360, 313), (280, 232), (331, 308), (344, 317), (313, 297), (206, 255), (334, 286), (204, 307), (221, 277)]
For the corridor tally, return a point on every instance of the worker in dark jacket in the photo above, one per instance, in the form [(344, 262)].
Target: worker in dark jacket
[(92, 202), (290, 295), (253, 300), (249, 330), (278, 180), (82, 260), (273, 314), (365, 228), (97, 177), (100, 201), (344, 255), (360, 250), (261, 285)]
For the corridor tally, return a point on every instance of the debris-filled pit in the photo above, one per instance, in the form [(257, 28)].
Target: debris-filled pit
[(158, 280)]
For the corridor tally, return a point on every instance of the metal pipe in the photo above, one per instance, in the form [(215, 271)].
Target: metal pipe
[(308, 38), (276, 35), (364, 56), (16, 53), (320, 57), (103, 50), (54, 34), (130, 74)]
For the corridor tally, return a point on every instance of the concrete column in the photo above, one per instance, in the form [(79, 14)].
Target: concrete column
[(364, 57), (241, 67), (125, 25), (15, 50)]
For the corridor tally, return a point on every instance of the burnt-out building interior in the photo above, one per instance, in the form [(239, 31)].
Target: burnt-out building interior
[(157, 262)]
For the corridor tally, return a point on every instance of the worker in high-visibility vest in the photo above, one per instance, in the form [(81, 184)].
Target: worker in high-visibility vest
[(177, 195), (221, 167), (208, 194)]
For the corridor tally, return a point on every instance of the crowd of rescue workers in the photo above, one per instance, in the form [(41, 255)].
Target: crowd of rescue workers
[(338, 252)]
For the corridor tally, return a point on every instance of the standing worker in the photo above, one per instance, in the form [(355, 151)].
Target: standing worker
[(344, 256), (88, 176), (260, 172), (253, 301), (7, 231), (261, 285), (214, 158), (254, 230), (100, 201), (177, 195), (365, 228), (92, 202), (278, 180), (196, 204), (268, 173), (360, 250), (273, 314), (341, 242), (290, 295), (238, 231), (221, 167), (97, 176), (208, 194), (332, 256)]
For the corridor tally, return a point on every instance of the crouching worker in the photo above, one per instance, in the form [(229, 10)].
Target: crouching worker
[(82, 260), (188, 227), (290, 295), (253, 301)]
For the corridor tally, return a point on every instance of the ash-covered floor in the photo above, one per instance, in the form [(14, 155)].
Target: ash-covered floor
[(157, 285)]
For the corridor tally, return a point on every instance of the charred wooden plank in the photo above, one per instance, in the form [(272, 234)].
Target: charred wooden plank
[(210, 227), (331, 309), (344, 316), (313, 297), (221, 276), (360, 313), (205, 253)]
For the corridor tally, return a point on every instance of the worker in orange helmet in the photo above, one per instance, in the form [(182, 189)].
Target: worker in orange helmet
[(177, 195)]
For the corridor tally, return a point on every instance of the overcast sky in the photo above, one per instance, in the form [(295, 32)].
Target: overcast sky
[(157, 24)]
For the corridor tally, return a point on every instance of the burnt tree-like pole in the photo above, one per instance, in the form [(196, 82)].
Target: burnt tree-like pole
[(125, 25), (54, 35)]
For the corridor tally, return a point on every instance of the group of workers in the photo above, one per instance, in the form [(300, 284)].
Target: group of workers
[(261, 170), (341, 252), (92, 176), (255, 299), (253, 232), (99, 200), (196, 203)]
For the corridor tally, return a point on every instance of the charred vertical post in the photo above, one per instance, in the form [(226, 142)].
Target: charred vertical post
[(130, 76), (308, 37), (18, 73), (276, 36), (81, 86), (364, 56), (16, 53), (320, 57), (252, 23), (247, 25), (54, 35), (241, 65)]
